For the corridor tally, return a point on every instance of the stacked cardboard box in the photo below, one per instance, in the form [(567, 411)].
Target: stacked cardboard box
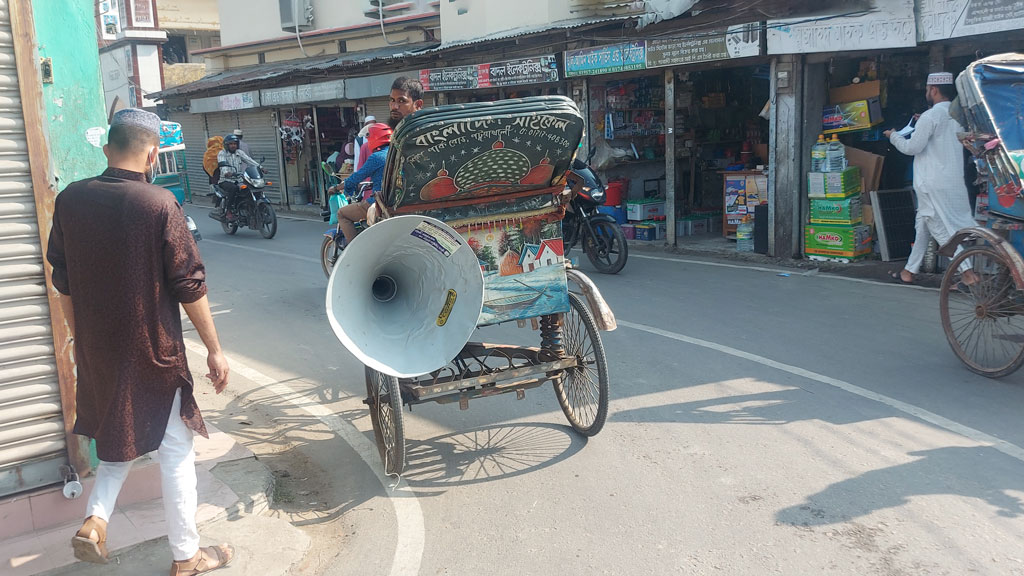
[(836, 231)]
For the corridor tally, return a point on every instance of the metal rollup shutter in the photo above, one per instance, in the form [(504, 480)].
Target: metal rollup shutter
[(193, 129), (221, 123), (32, 442), (264, 144), (379, 108)]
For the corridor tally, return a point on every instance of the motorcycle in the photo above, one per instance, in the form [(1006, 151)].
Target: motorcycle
[(252, 209), (600, 235), (334, 241)]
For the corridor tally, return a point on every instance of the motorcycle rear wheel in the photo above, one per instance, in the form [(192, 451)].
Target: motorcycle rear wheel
[(229, 227)]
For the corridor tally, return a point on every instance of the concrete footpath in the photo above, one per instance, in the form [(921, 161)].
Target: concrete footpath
[(235, 495)]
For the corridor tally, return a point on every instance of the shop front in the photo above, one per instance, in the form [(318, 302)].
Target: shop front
[(855, 90), (671, 120)]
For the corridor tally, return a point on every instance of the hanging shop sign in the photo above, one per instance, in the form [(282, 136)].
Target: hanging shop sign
[(942, 19), (496, 74), (890, 24), (606, 59), (225, 103), (303, 93), (720, 44)]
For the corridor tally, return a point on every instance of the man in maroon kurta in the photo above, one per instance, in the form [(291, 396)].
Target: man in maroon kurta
[(121, 251)]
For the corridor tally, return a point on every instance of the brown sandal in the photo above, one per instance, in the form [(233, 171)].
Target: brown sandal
[(206, 560), (90, 542)]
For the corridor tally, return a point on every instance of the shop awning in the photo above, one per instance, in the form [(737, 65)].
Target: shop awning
[(247, 76)]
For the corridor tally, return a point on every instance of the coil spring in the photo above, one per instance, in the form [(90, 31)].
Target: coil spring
[(551, 335)]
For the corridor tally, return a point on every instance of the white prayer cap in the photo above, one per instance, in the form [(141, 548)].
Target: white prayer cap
[(370, 120), (940, 78), (138, 118)]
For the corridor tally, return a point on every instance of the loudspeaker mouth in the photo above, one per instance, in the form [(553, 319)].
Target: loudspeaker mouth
[(384, 288)]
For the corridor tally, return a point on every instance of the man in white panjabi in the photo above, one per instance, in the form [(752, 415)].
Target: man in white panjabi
[(943, 207)]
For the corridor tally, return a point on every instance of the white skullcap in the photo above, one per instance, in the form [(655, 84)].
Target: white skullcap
[(370, 120), (940, 79)]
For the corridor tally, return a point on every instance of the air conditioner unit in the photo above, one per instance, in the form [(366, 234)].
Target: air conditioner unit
[(371, 8), (296, 12)]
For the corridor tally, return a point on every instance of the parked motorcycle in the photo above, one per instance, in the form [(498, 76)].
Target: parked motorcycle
[(251, 209), (600, 235)]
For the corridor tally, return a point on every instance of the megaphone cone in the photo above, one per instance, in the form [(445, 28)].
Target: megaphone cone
[(405, 295)]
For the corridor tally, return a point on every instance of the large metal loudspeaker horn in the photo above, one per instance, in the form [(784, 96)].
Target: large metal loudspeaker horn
[(405, 295)]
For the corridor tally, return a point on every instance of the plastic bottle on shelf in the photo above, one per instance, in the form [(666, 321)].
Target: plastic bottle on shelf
[(835, 156), (818, 154), (745, 235)]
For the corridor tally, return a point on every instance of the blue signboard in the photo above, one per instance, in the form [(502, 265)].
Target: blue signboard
[(606, 59)]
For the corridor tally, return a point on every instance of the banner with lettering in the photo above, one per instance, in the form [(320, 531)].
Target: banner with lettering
[(719, 44), (890, 24), (535, 70), (606, 59), (942, 19)]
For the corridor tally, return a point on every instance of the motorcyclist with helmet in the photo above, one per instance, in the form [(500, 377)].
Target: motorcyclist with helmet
[(231, 163), (379, 139)]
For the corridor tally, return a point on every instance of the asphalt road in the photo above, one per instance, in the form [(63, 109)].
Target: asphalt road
[(760, 424)]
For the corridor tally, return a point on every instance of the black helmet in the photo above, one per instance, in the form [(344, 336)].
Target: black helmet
[(230, 138)]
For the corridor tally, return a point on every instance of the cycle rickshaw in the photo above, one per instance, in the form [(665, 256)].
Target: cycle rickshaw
[(470, 236), (984, 319)]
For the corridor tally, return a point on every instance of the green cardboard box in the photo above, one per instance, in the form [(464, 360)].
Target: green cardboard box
[(837, 241), (834, 184), (847, 211)]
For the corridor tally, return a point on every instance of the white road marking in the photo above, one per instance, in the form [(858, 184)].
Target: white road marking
[(790, 271), (409, 516), (263, 251), (185, 317), (978, 436)]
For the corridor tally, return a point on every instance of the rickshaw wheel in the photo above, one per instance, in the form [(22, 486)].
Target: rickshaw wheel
[(582, 391), (229, 227), (385, 401), (983, 322)]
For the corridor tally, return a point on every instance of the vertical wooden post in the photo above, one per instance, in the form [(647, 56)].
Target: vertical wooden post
[(44, 191), (670, 157), (784, 153)]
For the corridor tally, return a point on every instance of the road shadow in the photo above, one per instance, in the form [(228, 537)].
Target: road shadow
[(935, 472), (772, 408), (488, 454)]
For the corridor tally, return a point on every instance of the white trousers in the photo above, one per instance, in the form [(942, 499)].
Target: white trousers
[(929, 224), (177, 459)]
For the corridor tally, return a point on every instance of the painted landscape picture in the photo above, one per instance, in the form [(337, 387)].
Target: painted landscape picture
[(524, 268)]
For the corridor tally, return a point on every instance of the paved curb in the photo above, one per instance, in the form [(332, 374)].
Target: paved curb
[(244, 525)]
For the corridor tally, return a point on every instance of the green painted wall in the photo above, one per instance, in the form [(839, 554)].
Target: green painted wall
[(66, 33)]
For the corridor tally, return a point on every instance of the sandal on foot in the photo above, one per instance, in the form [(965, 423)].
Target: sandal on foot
[(206, 560), (90, 542), (897, 277)]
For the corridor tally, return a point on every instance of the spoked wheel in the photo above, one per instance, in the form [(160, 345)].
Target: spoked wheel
[(606, 247), (330, 251), (268, 220), (229, 228), (983, 321), (582, 391), (385, 400)]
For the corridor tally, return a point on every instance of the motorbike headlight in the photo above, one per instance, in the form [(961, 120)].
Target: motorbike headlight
[(258, 182)]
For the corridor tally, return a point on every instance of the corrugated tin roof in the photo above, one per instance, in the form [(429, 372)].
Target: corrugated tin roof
[(261, 72), (506, 34)]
